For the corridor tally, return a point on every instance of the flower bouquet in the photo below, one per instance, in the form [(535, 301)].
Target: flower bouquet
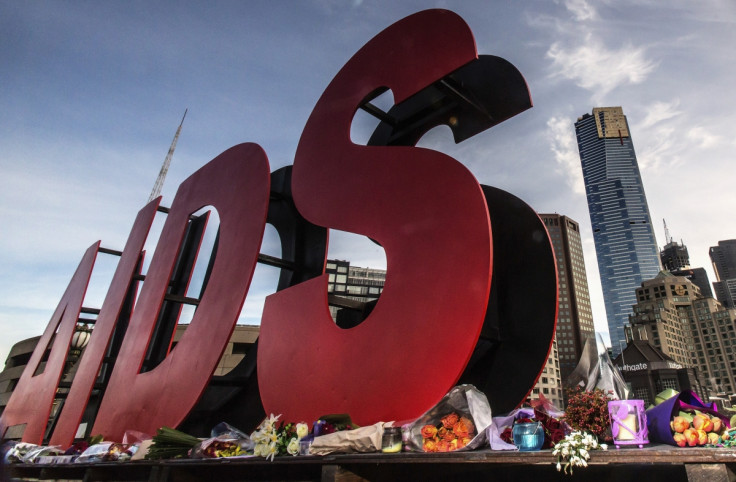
[(224, 441), (274, 438), (574, 450), (587, 411), (684, 420), (554, 429), (452, 433), (457, 422)]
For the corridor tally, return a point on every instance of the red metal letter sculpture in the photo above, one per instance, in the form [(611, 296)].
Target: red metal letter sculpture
[(32, 398), (417, 204), (89, 364), (236, 183)]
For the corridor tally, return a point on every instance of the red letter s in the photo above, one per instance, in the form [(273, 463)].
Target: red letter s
[(429, 214)]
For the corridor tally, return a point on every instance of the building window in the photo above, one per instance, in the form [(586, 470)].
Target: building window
[(642, 394)]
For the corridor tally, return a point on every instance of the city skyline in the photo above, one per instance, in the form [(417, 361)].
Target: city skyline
[(93, 94)]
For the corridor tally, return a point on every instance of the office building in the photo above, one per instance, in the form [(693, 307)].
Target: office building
[(676, 259), (625, 244), (674, 256), (697, 276), (575, 316), (693, 330), (549, 383), (723, 258), (352, 291), (648, 372)]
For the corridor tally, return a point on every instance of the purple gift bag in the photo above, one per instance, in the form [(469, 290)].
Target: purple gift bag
[(659, 417)]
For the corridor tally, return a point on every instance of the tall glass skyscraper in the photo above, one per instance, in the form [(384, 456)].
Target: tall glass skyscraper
[(625, 245)]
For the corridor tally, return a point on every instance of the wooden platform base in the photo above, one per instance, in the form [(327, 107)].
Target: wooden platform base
[(652, 463)]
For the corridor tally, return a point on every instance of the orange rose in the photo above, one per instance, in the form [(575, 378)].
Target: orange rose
[(429, 445), (429, 431), (445, 434), (680, 424), (702, 422), (443, 446), (468, 423), (717, 423), (702, 437), (461, 428), (691, 436), (450, 420), (680, 439)]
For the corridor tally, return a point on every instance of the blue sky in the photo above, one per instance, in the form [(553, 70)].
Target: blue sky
[(92, 93)]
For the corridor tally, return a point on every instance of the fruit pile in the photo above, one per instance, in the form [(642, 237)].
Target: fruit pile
[(698, 429)]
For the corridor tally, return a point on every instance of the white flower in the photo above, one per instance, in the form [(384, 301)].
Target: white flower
[(302, 430), (271, 451), (293, 447), (269, 423), (574, 450)]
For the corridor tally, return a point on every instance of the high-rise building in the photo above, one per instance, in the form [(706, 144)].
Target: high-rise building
[(723, 258), (674, 256), (693, 330), (625, 244), (699, 277), (575, 316), (676, 259)]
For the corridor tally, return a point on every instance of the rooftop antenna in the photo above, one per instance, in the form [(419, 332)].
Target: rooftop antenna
[(165, 168)]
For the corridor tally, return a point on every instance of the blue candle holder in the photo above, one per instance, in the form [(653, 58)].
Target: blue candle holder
[(528, 437)]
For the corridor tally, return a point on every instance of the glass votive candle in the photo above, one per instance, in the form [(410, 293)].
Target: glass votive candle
[(391, 441)]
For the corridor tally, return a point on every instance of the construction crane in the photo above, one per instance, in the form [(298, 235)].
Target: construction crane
[(667, 236), (165, 168)]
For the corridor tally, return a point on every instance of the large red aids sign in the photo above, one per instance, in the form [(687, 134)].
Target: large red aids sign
[(454, 249)]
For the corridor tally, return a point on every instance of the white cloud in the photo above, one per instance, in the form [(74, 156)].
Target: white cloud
[(564, 146), (660, 148), (594, 67), (661, 111), (703, 137), (581, 9)]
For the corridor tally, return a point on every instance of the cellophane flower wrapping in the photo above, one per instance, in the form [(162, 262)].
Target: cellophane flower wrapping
[(460, 420), (225, 441), (660, 418), (107, 452), (596, 370), (538, 410)]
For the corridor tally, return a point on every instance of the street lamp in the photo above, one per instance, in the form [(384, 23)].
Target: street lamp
[(80, 338)]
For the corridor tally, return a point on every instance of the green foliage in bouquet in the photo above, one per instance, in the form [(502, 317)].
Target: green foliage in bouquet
[(169, 443), (587, 411)]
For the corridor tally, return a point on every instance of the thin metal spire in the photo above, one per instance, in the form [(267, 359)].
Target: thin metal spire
[(165, 168)]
